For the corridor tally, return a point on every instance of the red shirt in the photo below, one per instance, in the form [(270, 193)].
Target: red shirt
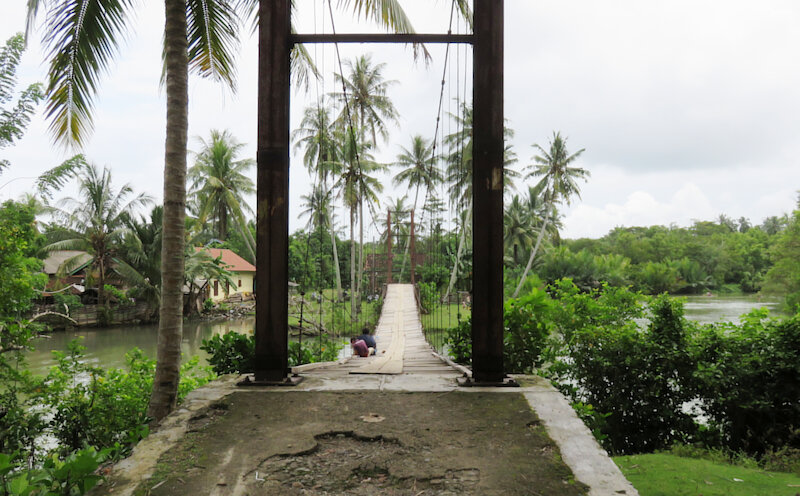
[(360, 348)]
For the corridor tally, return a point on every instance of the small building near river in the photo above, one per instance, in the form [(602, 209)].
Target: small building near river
[(244, 274)]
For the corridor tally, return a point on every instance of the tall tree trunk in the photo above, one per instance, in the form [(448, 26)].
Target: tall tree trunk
[(360, 254), (352, 264), (533, 255), (459, 253), (170, 330), (335, 260), (101, 286), (223, 222)]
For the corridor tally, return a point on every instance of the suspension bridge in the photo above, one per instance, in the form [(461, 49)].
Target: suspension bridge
[(401, 345)]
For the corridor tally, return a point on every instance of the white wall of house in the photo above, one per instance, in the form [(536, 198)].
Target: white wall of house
[(244, 284)]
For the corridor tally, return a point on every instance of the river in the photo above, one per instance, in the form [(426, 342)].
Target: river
[(107, 346), (708, 309)]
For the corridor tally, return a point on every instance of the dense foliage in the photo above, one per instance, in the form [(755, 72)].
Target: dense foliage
[(784, 276), (643, 377), (708, 256), (234, 353), (92, 414)]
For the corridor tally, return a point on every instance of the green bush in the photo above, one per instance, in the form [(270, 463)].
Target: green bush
[(103, 408), (71, 301), (234, 353), (458, 341), (428, 296), (749, 381), (74, 474), (526, 326), (641, 378), (231, 353), (782, 460), (314, 350)]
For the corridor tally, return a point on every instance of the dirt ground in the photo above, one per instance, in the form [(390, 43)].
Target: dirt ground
[(363, 443)]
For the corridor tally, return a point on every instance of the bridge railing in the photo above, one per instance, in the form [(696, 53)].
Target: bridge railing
[(444, 315)]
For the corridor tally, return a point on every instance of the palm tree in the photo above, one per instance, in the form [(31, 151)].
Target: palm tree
[(365, 99), (317, 135), (81, 38), (558, 183), (96, 221), (140, 263), (202, 266), (219, 181), (517, 234), (420, 170), (356, 185), (459, 175), (318, 210), (418, 167)]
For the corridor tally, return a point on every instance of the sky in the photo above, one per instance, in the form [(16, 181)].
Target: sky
[(686, 109)]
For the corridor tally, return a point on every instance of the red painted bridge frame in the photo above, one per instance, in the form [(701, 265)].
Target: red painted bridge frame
[(275, 43)]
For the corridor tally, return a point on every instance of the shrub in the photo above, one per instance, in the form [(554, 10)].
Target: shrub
[(641, 378), (525, 331), (749, 381), (231, 353), (607, 306), (234, 353), (428, 296), (526, 326), (458, 341), (73, 474), (71, 301), (104, 408)]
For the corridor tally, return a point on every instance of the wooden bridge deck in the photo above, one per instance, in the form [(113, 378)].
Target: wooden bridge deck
[(402, 348)]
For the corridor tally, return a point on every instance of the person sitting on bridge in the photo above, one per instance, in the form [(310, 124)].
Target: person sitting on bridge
[(370, 340), (360, 347)]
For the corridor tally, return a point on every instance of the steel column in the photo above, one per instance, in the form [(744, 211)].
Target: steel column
[(487, 193), (272, 251)]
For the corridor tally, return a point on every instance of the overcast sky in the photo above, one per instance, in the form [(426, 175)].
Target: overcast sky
[(686, 109)]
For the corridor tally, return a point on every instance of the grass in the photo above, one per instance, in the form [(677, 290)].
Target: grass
[(444, 316), (335, 316), (662, 474)]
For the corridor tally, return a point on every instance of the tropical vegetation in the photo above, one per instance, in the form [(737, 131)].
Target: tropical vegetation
[(590, 314)]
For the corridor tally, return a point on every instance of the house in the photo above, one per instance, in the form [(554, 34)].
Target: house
[(244, 274), (66, 270), (73, 273)]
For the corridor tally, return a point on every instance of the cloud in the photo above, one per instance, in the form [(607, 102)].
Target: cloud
[(686, 109), (639, 209)]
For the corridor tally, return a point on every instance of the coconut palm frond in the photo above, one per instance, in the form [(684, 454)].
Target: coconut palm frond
[(213, 27), (81, 38)]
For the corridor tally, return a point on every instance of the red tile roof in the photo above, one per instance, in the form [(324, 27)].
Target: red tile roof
[(234, 262)]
